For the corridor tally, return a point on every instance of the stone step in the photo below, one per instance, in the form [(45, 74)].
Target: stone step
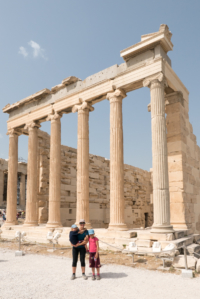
[(196, 238), (193, 248), (155, 237), (145, 250), (180, 242), (187, 232), (144, 243), (115, 234), (179, 234)]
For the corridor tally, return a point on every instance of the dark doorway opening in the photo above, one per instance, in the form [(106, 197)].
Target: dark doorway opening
[(5, 187), (146, 219)]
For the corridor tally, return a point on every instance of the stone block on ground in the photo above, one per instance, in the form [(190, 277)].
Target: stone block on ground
[(196, 238), (144, 243), (187, 273), (193, 248), (179, 262), (180, 242), (19, 253)]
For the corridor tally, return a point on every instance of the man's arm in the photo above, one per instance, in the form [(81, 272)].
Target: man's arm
[(86, 239)]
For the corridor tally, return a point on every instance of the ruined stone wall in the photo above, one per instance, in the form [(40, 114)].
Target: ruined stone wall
[(22, 169), (184, 164), (137, 187)]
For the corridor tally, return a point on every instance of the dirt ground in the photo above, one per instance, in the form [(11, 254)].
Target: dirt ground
[(106, 257)]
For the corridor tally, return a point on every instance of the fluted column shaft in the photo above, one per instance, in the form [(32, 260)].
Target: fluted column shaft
[(55, 172), (82, 206), (116, 162), (11, 210), (32, 202), (161, 199)]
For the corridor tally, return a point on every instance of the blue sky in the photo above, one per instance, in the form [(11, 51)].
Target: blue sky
[(45, 41)]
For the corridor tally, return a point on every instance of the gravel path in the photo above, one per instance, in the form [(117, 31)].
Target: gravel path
[(47, 277)]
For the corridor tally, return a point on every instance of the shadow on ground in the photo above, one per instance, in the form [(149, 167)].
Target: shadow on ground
[(141, 261), (113, 275)]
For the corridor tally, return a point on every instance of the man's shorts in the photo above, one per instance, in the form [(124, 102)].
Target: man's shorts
[(92, 262)]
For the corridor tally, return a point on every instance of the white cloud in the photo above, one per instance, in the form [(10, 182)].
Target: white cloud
[(23, 51), (37, 50)]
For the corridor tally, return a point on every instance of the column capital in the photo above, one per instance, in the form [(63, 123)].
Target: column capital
[(83, 106), (32, 125), (118, 94), (155, 79), (54, 116), (13, 131)]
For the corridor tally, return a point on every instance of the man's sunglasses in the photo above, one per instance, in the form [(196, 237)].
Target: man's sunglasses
[(82, 222)]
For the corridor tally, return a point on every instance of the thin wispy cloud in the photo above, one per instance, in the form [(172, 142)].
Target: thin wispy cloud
[(23, 51), (36, 51), (1, 136)]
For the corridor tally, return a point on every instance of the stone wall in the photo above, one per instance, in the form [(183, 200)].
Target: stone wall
[(184, 164), (137, 187)]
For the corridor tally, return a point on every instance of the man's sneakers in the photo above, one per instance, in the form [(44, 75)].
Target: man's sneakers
[(93, 277), (73, 277), (84, 277)]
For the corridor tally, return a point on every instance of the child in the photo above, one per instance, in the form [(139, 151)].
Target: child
[(73, 235), (94, 254)]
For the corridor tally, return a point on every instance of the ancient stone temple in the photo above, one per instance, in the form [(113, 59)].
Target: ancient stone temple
[(175, 153)]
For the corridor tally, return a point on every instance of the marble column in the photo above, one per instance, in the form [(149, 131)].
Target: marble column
[(32, 202), (55, 171), (161, 199), (11, 210), (22, 191), (82, 206), (116, 161)]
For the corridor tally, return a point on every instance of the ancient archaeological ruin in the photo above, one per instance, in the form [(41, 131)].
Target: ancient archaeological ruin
[(60, 185)]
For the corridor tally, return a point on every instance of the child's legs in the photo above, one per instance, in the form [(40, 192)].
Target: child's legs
[(98, 265), (92, 262)]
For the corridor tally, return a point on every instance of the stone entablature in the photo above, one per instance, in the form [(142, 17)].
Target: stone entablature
[(127, 76)]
